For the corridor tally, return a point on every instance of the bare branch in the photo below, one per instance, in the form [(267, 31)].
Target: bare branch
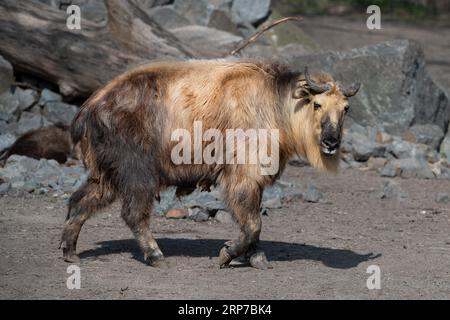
[(257, 34)]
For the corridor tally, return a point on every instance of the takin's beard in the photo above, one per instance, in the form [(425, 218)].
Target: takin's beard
[(308, 146), (321, 161)]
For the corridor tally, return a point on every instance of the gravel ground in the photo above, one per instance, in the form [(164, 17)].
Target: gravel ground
[(317, 250)]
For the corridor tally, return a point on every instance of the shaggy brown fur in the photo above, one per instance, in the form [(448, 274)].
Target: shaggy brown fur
[(49, 143), (125, 128)]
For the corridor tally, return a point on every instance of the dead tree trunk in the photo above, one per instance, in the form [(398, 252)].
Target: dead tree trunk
[(36, 40)]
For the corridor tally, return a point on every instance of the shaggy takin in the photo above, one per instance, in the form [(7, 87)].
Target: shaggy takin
[(125, 132), (50, 143)]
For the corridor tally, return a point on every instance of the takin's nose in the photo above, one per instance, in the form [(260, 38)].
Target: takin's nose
[(331, 142)]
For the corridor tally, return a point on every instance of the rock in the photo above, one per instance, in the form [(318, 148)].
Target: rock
[(383, 137), (429, 134), (253, 11), (9, 107), (444, 149), (28, 121), (59, 112), (207, 40), (195, 11), (392, 190), (71, 178), (6, 140), (223, 216), (177, 213), (389, 171), (27, 98), (360, 142), (274, 203), (47, 174), (91, 10), (363, 150), (4, 187), (212, 13), (17, 169), (198, 214), (392, 75), (407, 168), (221, 20), (442, 197), (6, 75), (376, 163), (168, 18), (49, 96), (209, 201), (312, 194), (401, 149)]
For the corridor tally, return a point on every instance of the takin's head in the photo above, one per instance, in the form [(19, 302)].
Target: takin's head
[(320, 106)]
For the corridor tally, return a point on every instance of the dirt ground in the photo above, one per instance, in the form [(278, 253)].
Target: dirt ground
[(317, 250)]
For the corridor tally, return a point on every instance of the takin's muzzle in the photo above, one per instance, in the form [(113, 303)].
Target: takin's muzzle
[(330, 137)]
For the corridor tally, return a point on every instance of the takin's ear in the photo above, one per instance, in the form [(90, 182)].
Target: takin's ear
[(300, 103), (300, 90)]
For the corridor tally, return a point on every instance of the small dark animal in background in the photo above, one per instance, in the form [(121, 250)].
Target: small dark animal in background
[(50, 143)]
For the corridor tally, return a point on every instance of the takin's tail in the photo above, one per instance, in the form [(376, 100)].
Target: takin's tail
[(78, 127), (88, 128)]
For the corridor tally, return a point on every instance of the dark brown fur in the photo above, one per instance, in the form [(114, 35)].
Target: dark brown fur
[(49, 143), (124, 132)]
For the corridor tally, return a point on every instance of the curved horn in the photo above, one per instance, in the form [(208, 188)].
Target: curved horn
[(316, 87), (352, 90)]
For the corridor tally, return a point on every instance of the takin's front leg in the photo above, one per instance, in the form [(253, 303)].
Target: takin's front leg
[(244, 200)]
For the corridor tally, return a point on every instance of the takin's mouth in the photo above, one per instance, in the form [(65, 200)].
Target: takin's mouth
[(327, 150)]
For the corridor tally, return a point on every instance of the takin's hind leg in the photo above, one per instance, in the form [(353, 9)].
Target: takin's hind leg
[(244, 200), (136, 211), (83, 203)]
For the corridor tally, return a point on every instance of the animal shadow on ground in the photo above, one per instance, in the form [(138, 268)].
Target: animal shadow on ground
[(275, 251)]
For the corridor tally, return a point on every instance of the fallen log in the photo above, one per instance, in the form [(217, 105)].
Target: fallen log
[(36, 40)]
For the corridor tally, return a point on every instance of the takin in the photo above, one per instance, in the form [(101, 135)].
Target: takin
[(52, 142), (125, 133)]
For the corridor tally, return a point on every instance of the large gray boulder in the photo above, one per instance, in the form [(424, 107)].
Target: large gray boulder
[(209, 41), (9, 107), (6, 75), (445, 145), (396, 90), (429, 134), (214, 14), (167, 17), (253, 11), (59, 112), (90, 10)]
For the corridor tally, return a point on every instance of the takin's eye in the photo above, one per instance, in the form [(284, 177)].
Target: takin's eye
[(317, 106), (346, 108)]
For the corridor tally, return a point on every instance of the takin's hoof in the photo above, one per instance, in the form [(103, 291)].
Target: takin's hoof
[(156, 259), (70, 256), (224, 258), (259, 261)]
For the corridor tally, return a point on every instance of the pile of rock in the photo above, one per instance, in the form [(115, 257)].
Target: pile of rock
[(204, 206), (22, 110), (422, 151), (27, 175)]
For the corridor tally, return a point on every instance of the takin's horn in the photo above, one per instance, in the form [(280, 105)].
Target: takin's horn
[(352, 90), (315, 87)]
